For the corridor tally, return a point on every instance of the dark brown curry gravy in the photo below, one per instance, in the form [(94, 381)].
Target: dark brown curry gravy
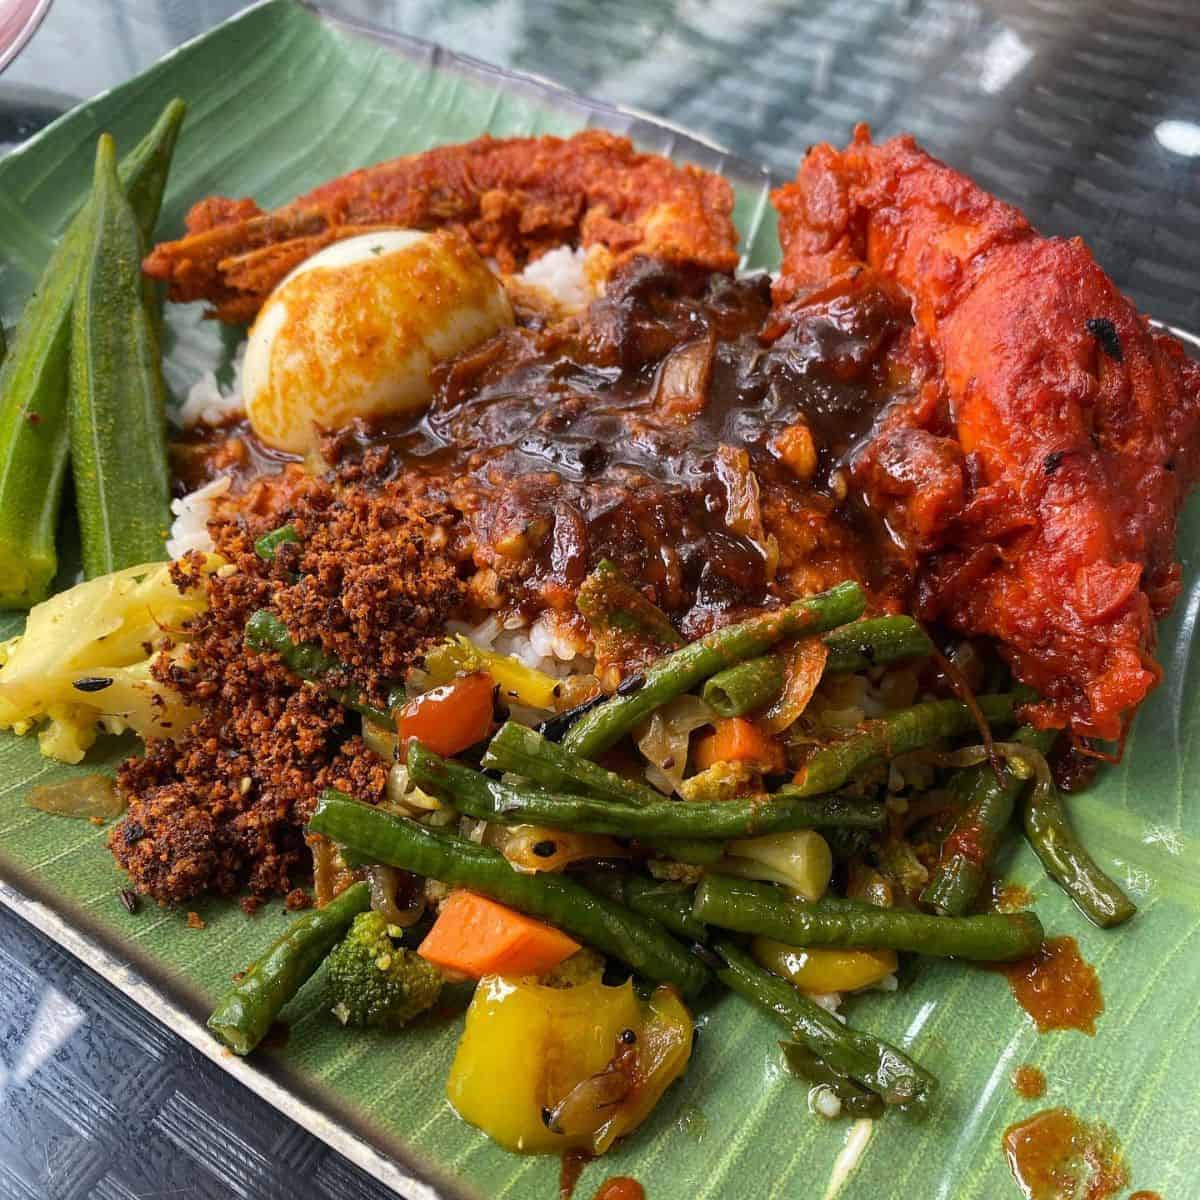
[(665, 430)]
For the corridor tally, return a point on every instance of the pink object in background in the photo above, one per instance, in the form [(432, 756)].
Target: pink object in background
[(18, 20)]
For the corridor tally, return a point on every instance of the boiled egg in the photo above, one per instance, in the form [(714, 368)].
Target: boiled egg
[(356, 330)]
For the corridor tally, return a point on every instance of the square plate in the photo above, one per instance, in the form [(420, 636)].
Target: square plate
[(281, 98)]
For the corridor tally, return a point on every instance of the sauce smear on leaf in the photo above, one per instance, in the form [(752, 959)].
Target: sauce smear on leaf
[(1056, 1156), (1056, 987)]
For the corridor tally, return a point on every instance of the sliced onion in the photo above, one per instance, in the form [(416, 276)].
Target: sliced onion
[(681, 389), (1024, 761), (590, 1103), (664, 739), (401, 792), (805, 664), (88, 796), (533, 848), (743, 511), (387, 885), (380, 741)]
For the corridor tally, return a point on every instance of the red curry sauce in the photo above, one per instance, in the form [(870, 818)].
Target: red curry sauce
[(1056, 987), (1055, 1156)]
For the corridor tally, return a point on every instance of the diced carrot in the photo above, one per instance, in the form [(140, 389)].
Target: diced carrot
[(451, 718), (736, 739), (476, 936)]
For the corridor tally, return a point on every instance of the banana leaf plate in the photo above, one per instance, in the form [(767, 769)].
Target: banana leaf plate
[(285, 96)]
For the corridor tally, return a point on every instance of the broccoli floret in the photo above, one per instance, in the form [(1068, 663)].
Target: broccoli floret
[(377, 982), (582, 967)]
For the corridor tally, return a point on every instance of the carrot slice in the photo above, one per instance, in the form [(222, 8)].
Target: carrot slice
[(736, 739), (451, 718), (476, 936)]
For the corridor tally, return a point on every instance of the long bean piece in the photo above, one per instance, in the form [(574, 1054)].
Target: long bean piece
[(962, 868), (667, 902), (266, 633), (242, 1018), (856, 1101), (875, 642), (747, 906), (524, 751), (754, 684), (642, 944), (886, 1071), (117, 394), (900, 732), (34, 437), (681, 671), (488, 799), (746, 688), (1049, 831)]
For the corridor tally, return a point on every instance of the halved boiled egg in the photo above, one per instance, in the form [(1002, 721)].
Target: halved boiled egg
[(356, 329)]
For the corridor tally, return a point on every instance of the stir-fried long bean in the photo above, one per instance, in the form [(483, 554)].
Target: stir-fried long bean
[(242, 1018), (1054, 841), (117, 394), (856, 1101), (523, 751), (762, 908), (34, 436), (875, 642), (683, 670), (377, 836), (754, 684), (488, 799), (900, 732), (667, 902), (886, 1071), (265, 632), (967, 851), (746, 688)]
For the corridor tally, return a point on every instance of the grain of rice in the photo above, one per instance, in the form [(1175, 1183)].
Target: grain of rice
[(189, 530)]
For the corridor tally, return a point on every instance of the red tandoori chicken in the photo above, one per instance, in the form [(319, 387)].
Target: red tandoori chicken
[(1038, 468)]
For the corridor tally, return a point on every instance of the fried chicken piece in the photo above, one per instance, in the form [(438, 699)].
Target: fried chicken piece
[(515, 199), (1038, 469)]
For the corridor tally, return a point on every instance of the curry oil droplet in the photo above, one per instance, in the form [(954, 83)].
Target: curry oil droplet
[(1056, 1156), (1056, 987), (621, 1187), (1028, 1082), (1145, 1196), (573, 1162)]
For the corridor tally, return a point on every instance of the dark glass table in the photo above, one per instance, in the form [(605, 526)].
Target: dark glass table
[(1086, 114)]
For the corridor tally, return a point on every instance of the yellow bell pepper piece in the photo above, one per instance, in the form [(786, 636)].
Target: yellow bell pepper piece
[(664, 1047), (822, 969), (525, 1046), (517, 681)]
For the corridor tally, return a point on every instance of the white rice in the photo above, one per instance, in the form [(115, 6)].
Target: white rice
[(189, 530), (562, 273), (824, 1102), (208, 403), (548, 645)]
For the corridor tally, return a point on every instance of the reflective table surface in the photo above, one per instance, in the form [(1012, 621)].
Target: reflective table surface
[(1086, 114)]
